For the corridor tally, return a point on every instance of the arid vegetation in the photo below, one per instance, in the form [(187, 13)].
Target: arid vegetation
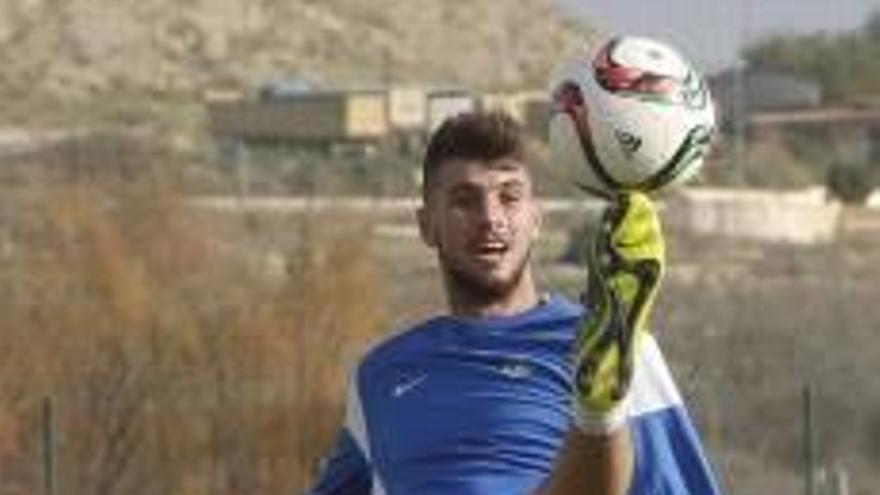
[(187, 350), (179, 352), (191, 351)]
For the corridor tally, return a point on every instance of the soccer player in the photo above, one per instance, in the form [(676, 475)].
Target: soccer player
[(512, 391)]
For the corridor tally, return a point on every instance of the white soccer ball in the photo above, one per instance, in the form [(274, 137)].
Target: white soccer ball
[(634, 115)]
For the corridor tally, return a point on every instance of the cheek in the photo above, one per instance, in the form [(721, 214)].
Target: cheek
[(536, 228), (528, 226), (453, 230), (458, 222)]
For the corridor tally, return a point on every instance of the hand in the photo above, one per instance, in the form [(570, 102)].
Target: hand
[(625, 260)]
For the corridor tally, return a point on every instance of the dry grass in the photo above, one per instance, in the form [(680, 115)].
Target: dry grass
[(749, 325), (181, 354), (189, 352)]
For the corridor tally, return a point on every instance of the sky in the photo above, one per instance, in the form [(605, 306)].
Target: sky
[(711, 31)]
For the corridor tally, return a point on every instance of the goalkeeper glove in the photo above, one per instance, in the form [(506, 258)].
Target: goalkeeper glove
[(625, 261)]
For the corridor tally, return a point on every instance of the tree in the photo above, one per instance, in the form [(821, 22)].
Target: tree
[(847, 64), (872, 27)]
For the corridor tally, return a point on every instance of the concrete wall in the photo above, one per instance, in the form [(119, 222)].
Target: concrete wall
[(799, 217)]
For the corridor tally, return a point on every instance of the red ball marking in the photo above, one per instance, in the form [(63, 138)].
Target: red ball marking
[(569, 99), (616, 78)]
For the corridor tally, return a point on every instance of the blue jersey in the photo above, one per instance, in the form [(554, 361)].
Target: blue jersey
[(481, 406)]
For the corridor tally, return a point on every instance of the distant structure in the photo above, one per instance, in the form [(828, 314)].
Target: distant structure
[(769, 102), (757, 90), (852, 132), (295, 112), (361, 118), (286, 88), (313, 117)]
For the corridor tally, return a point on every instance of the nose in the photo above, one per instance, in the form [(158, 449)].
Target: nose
[(491, 213)]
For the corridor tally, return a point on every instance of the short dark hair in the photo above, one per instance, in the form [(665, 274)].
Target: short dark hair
[(479, 135)]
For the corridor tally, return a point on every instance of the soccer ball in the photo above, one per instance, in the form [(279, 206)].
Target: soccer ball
[(634, 116)]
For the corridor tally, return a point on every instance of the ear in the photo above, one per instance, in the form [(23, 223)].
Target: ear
[(426, 226)]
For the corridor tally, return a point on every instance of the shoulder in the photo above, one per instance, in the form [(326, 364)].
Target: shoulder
[(555, 312), (562, 308), (404, 342), (556, 315)]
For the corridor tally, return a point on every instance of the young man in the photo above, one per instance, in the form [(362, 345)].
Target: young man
[(513, 392)]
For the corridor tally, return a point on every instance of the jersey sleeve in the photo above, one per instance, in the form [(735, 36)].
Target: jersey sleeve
[(346, 471), (669, 458), (668, 453)]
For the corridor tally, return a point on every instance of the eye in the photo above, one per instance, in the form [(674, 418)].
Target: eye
[(512, 194), (464, 199), (511, 197)]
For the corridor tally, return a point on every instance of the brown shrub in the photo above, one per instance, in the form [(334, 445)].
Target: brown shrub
[(175, 362)]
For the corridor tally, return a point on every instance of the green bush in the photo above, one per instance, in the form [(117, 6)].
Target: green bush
[(851, 183)]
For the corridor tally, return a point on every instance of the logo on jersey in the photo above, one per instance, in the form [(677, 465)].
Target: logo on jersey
[(407, 386), (515, 370)]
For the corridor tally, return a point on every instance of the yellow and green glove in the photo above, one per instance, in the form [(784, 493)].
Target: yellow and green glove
[(625, 260)]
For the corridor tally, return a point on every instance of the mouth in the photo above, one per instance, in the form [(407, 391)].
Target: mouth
[(490, 250)]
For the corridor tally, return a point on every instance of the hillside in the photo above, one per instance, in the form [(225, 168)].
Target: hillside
[(82, 48)]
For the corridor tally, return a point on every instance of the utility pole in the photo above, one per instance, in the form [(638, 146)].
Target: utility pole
[(50, 448), (809, 441), (740, 92)]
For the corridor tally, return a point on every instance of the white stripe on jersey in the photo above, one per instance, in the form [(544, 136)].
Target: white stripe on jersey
[(653, 388), (354, 421)]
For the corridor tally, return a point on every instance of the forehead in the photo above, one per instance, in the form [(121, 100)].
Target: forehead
[(480, 173)]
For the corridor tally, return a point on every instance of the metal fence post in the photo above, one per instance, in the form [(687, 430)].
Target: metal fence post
[(50, 448), (809, 441)]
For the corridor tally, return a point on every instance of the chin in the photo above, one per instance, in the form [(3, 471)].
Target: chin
[(498, 286), (484, 286), (487, 282)]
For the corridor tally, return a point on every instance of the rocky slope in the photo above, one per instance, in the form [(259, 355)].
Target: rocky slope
[(86, 47)]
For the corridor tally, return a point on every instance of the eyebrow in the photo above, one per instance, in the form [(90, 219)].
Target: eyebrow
[(507, 165), (508, 184), (513, 182)]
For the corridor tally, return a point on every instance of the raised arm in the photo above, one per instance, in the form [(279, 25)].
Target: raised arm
[(625, 260), (592, 464)]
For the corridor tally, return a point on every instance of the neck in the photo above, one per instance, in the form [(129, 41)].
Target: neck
[(480, 304)]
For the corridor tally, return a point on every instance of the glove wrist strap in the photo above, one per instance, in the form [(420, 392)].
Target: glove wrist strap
[(604, 423)]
